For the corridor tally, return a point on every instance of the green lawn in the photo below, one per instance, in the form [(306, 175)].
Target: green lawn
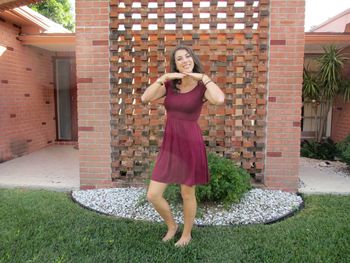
[(43, 226)]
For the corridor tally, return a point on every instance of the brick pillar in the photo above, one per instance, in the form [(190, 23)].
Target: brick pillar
[(92, 57), (284, 94)]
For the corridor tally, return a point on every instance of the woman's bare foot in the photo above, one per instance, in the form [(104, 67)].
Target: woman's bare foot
[(170, 234), (183, 241)]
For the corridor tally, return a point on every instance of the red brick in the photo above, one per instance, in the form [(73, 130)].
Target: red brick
[(86, 128), (278, 42), (84, 80), (100, 42), (272, 99), (274, 154)]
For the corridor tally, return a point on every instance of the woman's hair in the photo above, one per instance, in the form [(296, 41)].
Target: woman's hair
[(197, 64)]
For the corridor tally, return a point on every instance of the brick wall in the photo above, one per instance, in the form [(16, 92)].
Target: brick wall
[(92, 59), (230, 38), (27, 107), (284, 94), (260, 125), (341, 110), (340, 120)]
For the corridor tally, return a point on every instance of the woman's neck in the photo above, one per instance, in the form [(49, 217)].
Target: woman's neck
[(187, 81)]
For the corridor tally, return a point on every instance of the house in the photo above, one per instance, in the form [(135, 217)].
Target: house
[(37, 66), (335, 30), (253, 49)]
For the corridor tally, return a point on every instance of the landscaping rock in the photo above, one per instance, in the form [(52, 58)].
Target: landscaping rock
[(256, 207)]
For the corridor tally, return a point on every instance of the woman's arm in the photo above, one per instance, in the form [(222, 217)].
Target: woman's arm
[(213, 93), (157, 89)]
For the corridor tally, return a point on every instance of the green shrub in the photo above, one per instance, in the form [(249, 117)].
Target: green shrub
[(343, 149), (325, 150), (227, 185), (228, 182)]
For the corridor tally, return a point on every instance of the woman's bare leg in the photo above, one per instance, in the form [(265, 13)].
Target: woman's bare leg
[(155, 196), (188, 194)]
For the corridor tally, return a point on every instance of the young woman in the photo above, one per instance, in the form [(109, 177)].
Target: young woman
[(182, 158)]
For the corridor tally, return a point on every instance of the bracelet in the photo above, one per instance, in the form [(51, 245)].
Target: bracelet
[(205, 84), (160, 82)]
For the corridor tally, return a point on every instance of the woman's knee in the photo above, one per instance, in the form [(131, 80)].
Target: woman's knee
[(155, 191), (188, 193), (153, 196)]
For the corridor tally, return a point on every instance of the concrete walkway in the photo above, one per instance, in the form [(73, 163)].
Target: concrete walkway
[(318, 179), (57, 168), (54, 168)]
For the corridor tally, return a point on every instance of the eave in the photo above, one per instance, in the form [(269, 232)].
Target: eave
[(10, 4)]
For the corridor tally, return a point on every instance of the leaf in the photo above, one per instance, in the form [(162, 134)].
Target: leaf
[(56, 10)]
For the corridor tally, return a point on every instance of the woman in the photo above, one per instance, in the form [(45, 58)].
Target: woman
[(182, 158)]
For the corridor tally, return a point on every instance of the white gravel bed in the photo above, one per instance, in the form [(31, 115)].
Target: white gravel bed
[(256, 207)]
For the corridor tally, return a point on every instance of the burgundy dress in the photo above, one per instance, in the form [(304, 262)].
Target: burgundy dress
[(182, 158)]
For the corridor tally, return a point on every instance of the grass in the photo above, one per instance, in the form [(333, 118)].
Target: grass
[(43, 226)]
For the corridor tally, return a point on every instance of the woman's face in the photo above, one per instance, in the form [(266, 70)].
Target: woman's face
[(184, 61)]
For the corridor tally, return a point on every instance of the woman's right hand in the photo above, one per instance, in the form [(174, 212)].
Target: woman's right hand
[(170, 76)]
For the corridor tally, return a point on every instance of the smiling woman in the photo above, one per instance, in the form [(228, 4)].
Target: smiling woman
[(182, 158)]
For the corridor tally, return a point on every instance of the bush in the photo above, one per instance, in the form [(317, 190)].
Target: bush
[(343, 149), (227, 185), (228, 182), (325, 150)]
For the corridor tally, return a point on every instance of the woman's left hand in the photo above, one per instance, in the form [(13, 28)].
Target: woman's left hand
[(196, 76)]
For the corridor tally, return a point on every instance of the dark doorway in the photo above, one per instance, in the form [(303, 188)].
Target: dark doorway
[(66, 99)]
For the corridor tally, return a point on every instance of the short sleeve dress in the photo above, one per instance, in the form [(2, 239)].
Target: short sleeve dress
[(182, 158)]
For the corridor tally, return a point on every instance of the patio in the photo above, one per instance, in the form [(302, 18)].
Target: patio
[(54, 168), (57, 168)]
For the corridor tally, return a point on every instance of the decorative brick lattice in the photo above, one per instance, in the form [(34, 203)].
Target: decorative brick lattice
[(230, 38)]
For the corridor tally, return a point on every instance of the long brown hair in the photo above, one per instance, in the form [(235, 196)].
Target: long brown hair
[(196, 69)]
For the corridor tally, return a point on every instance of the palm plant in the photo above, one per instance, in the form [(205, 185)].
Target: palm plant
[(311, 92), (327, 83)]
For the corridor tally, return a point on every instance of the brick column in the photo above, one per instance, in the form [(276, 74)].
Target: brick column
[(284, 94), (92, 57)]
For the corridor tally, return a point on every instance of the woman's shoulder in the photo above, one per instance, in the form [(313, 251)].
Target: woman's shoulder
[(203, 88), (168, 85)]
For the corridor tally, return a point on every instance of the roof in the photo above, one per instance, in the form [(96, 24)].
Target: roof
[(337, 23), (37, 30), (334, 31), (10, 4), (48, 25), (26, 16)]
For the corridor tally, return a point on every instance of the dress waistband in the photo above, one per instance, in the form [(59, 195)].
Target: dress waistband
[(180, 119)]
